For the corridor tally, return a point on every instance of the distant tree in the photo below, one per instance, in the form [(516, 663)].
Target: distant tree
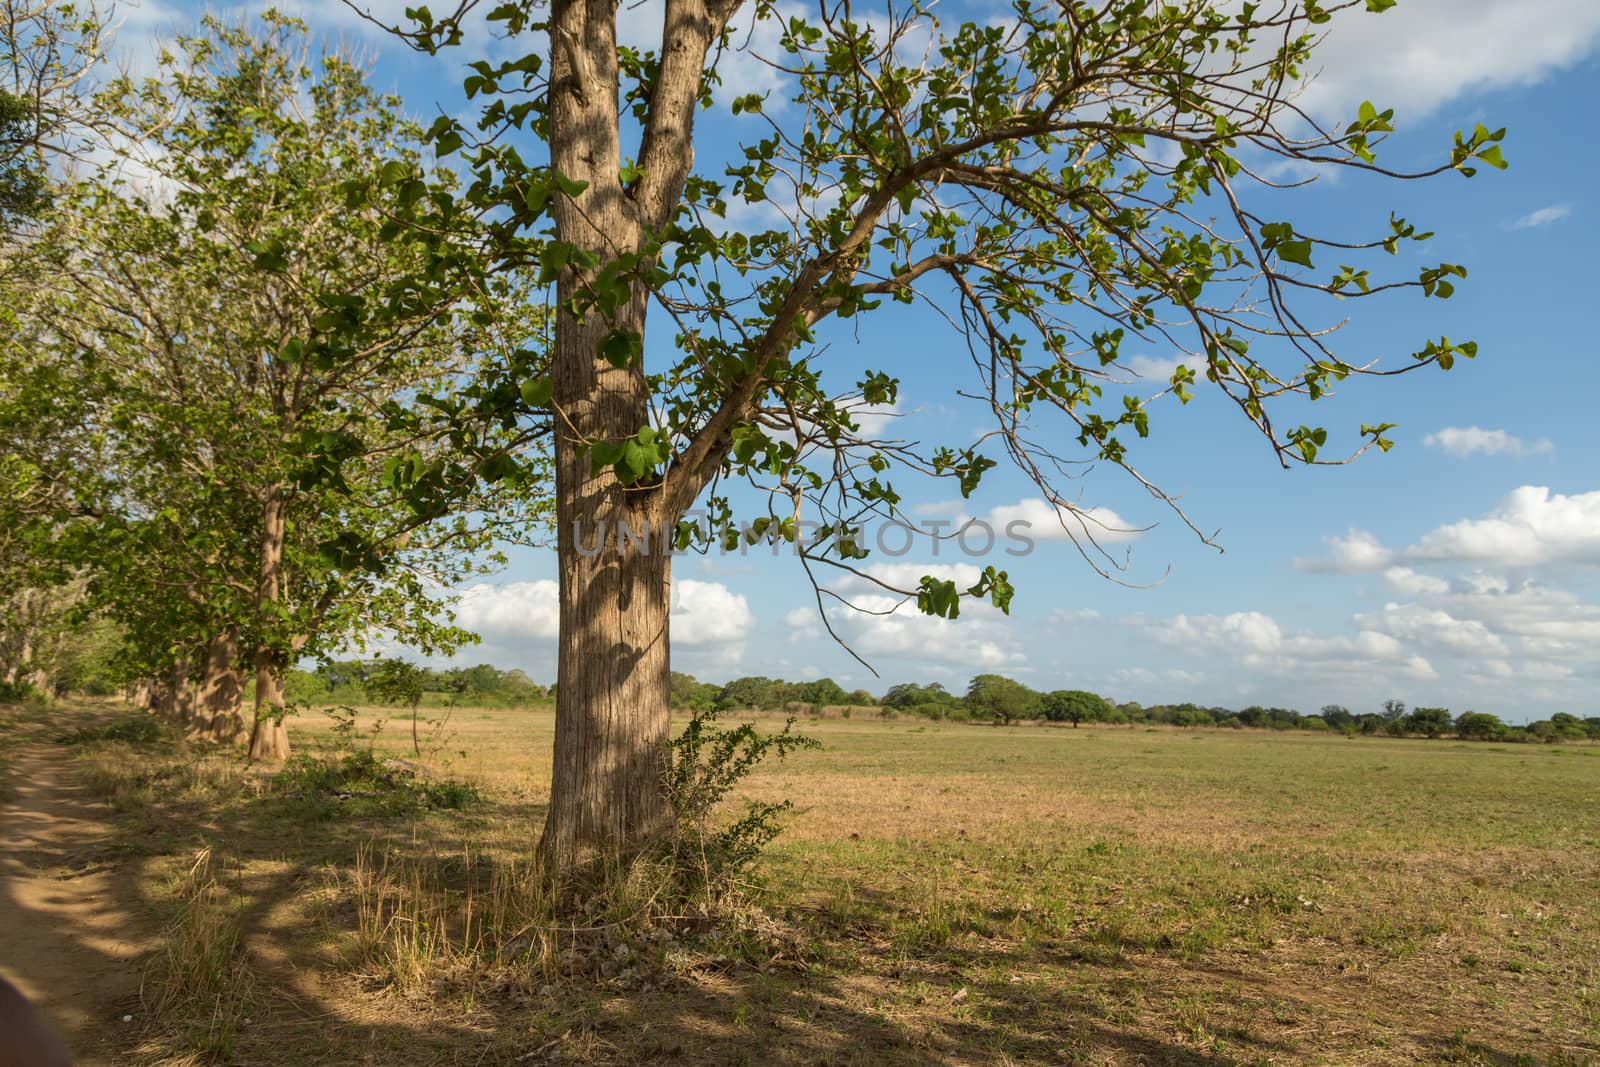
[(1567, 727), (750, 692), (693, 695), (1592, 727), (1192, 715), (1074, 706), (1479, 726), (1393, 710), (1431, 722), (1337, 716), (860, 698), (910, 694), (395, 681), (823, 691), (1002, 699)]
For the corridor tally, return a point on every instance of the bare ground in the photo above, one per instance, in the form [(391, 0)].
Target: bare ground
[(67, 941)]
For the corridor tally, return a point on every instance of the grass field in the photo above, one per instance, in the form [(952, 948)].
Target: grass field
[(943, 894)]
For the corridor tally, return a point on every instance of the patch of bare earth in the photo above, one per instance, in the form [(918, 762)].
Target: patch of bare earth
[(71, 937)]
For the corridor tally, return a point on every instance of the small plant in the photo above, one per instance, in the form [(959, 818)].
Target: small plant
[(708, 762), (201, 976), (19, 693), (388, 786)]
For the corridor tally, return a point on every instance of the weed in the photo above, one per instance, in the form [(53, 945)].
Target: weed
[(201, 978)]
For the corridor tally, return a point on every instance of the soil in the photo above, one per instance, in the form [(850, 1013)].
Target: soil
[(68, 940)]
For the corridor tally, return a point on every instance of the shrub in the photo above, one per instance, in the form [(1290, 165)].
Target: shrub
[(136, 728), (708, 761)]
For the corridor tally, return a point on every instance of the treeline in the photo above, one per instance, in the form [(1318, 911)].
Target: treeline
[(758, 692), (361, 682), (995, 698)]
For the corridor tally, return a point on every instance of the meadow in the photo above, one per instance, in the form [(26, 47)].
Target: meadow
[(942, 893)]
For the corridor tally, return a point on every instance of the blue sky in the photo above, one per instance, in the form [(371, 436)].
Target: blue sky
[(1459, 569)]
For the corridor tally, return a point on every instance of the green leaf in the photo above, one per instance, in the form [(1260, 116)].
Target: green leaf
[(536, 393), (1295, 252)]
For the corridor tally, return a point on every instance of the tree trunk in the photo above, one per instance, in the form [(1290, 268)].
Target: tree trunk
[(219, 714), (613, 717), (613, 680), (184, 694), (269, 737)]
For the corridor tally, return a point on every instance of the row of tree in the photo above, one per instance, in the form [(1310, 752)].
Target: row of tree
[(995, 698), (216, 456)]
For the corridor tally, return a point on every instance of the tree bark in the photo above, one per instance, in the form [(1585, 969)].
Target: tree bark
[(613, 678), (219, 713), (269, 736), (613, 715)]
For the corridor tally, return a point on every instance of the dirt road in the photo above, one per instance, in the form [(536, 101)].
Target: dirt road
[(72, 936)]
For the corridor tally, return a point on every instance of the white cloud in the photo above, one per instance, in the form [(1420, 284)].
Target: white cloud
[(1464, 441), (1423, 53), (1070, 616), (1435, 629), (1530, 526), (1355, 552), (802, 624), (1407, 581), (1256, 641), (1543, 217), (1044, 522), (517, 610), (703, 613), (1156, 369), (708, 613)]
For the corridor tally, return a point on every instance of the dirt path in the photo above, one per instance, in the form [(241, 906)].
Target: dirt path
[(69, 938)]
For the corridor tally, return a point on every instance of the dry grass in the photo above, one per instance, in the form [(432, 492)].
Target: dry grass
[(945, 894)]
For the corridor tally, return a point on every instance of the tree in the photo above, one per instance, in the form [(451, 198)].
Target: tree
[(1432, 722), (1337, 716), (48, 50), (1479, 726), (1056, 183), (244, 311), (750, 693), (395, 681), (1075, 706), (1002, 699), (1394, 710)]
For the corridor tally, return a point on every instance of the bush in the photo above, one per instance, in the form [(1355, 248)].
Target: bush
[(708, 761), (19, 693), (136, 728), (388, 786)]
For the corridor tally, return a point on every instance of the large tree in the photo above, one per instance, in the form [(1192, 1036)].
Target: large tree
[(223, 306), (1056, 181)]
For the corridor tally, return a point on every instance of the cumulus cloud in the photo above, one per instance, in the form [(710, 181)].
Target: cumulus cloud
[(703, 613), (1530, 526), (1045, 522), (1355, 552), (1465, 441), (1544, 216), (707, 613), (1409, 582), (1256, 641), (514, 611), (979, 639), (1423, 53)]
